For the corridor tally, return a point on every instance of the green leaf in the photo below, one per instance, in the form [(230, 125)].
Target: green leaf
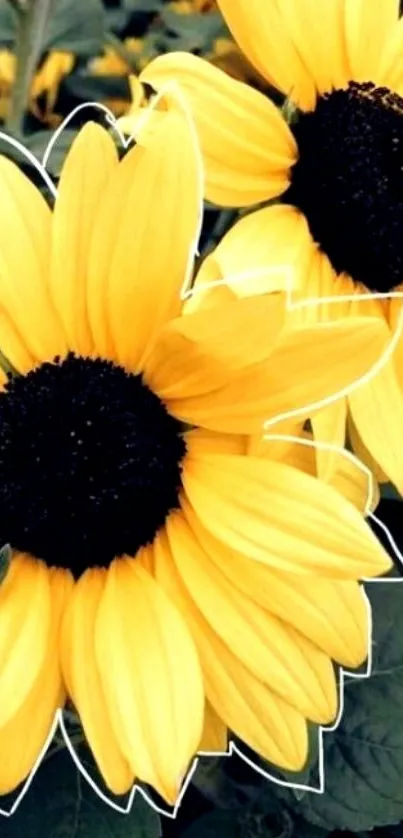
[(85, 87), (74, 26), (245, 823), (290, 112), (222, 824), (5, 556), (364, 757), (307, 774), (38, 142), (191, 32), (148, 6), (389, 492), (60, 804)]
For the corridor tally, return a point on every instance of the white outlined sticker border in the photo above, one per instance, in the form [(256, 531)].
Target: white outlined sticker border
[(186, 292)]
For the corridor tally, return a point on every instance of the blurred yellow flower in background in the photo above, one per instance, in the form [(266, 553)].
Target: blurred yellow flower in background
[(46, 83)]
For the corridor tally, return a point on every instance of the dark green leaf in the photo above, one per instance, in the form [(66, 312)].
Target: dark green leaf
[(60, 804), (191, 32), (222, 824), (246, 823), (389, 492), (364, 756), (117, 19), (85, 87), (307, 776), (38, 142), (77, 26), (149, 6)]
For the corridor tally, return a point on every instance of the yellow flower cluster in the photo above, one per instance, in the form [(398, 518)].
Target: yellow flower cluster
[(45, 84)]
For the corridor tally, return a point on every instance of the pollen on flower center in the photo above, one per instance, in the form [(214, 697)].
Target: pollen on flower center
[(348, 181), (90, 463)]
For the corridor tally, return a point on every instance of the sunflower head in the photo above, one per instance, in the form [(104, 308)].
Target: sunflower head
[(117, 451), (153, 556), (339, 165)]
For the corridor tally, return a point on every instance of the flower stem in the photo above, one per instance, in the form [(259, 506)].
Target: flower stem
[(32, 18)]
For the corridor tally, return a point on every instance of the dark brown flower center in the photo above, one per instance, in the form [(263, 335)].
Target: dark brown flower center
[(90, 463), (348, 181)]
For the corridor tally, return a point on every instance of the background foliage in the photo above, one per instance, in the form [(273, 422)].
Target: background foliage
[(88, 50)]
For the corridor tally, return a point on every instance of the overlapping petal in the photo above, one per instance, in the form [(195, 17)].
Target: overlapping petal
[(144, 239), (247, 147), (23, 737), (301, 371), (25, 623), (32, 329), (368, 26), (273, 651), (91, 162), (83, 681), (260, 31), (281, 516), (331, 613), (150, 676), (250, 709)]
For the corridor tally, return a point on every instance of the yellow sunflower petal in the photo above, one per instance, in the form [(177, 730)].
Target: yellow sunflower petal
[(151, 677), (263, 445), (24, 265), (263, 720), (267, 250), (294, 451), (331, 613), (377, 412), (13, 347), (143, 241), (346, 474), (329, 426), (282, 517), (25, 620), (320, 293), (262, 34), (247, 146), (363, 454), (395, 320), (390, 71), (84, 177), (215, 732), (25, 734), (82, 678), (368, 26), (209, 442), (301, 372), (194, 354), (319, 40), (355, 484), (295, 669), (208, 288)]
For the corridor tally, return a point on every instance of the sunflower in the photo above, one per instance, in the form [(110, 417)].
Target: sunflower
[(153, 562), (332, 162)]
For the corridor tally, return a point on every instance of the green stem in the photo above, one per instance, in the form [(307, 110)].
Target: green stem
[(32, 19)]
